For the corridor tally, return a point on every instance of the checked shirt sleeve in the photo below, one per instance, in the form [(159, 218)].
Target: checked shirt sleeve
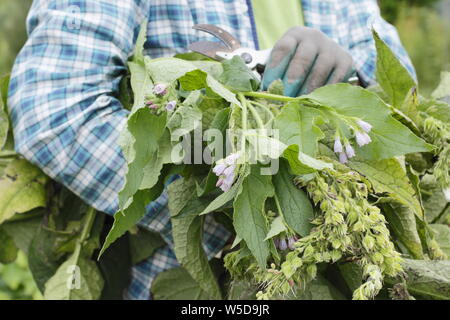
[(63, 103), (361, 16)]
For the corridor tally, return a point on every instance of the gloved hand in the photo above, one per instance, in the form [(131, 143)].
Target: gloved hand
[(306, 59)]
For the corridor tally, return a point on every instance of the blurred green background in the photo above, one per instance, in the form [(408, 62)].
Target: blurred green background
[(423, 25)]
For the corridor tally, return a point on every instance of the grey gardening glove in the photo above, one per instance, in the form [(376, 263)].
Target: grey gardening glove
[(306, 59)]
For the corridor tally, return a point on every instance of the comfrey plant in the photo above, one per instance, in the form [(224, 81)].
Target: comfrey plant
[(346, 227)]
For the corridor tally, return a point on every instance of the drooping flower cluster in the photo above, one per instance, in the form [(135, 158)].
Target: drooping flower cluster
[(347, 228), (362, 138), (225, 169)]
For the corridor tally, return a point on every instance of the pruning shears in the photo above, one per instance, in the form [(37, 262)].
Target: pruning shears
[(229, 47)]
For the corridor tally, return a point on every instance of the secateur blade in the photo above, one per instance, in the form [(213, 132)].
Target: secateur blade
[(209, 48)]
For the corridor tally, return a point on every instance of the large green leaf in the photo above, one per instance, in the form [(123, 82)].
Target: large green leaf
[(44, 256), (300, 163), (179, 194), (249, 220), (427, 279), (389, 176), (297, 125), (434, 201), (442, 236), (23, 231), (187, 231), (390, 138), (145, 131), (402, 222), (295, 205), (76, 279), (391, 74), (177, 284), (143, 244), (124, 220), (237, 76), (22, 188)]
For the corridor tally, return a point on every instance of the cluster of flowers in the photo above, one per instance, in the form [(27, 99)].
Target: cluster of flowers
[(160, 90), (225, 169), (284, 243), (347, 227), (362, 138)]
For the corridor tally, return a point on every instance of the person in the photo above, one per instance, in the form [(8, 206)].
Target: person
[(63, 90)]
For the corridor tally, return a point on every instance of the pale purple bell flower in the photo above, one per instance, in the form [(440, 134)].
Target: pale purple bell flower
[(343, 158), (364, 125), (349, 151), (362, 138), (337, 145)]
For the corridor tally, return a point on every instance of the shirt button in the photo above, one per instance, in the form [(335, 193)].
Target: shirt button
[(103, 101)]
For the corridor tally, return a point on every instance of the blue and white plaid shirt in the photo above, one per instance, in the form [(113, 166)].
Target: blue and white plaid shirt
[(63, 90)]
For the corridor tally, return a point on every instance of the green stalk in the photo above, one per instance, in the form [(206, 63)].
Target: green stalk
[(255, 115), (85, 232), (270, 96)]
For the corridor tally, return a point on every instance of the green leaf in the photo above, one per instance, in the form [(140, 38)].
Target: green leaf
[(143, 244), (23, 231), (300, 163), (199, 79), (153, 169), (141, 84), (22, 188), (390, 138), (352, 274), (427, 279), (295, 205), (124, 220), (276, 227), (187, 231), (44, 256), (179, 194), (138, 55), (389, 176), (443, 90), (8, 249), (249, 220), (167, 70), (393, 77), (297, 125), (237, 76), (184, 120), (76, 279), (434, 201), (177, 284), (442, 236), (145, 131), (402, 222)]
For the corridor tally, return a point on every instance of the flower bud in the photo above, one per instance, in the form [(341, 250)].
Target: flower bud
[(160, 89), (337, 145), (170, 106), (364, 125)]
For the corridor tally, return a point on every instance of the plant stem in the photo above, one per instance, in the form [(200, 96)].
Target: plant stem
[(255, 115), (269, 96)]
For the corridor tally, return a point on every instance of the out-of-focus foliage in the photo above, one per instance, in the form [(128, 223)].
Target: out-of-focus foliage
[(391, 8), (425, 33), (12, 30), (16, 281)]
